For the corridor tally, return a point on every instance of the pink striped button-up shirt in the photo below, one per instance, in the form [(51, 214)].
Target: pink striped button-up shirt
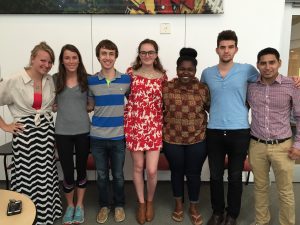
[(271, 107)]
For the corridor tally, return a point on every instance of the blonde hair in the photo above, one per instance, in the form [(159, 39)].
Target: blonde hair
[(43, 46)]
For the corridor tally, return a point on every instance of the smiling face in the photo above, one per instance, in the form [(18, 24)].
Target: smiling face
[(186, 71), (70, 61), (41, 63), (226, 50), (147, 54), (107, 58), (268, 66)]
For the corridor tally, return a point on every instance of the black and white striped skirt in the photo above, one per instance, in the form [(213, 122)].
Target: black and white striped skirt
[(34, 170)]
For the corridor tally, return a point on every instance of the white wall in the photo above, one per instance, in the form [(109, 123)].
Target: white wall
[(255, 26), (258, 24)]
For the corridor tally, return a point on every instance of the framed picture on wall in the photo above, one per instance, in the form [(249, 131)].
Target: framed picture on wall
[(111, 7)]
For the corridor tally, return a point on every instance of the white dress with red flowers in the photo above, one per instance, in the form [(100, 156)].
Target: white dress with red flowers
[(143, 114)]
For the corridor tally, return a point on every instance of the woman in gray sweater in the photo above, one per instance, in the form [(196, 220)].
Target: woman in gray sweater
[(72, 128)]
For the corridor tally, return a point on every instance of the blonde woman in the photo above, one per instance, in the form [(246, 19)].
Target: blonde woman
[(29, 96)]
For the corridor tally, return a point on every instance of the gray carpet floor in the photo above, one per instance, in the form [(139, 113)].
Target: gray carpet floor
[(164, 205)]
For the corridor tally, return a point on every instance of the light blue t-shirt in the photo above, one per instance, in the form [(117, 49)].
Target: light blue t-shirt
[(228, 110)]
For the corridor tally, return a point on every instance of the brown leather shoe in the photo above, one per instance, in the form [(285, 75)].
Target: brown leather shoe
[(149, 211), (230, 221), (215, 219), (141, 213), (103, 215)]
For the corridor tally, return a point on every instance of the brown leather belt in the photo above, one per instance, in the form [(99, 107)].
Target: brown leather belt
[(270, 142)]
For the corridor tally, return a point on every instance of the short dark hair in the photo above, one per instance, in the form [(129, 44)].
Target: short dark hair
[(187, 54), (227, 35), (268, 51), (108, 44)]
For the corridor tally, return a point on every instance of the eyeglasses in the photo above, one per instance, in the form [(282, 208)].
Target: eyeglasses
[(150, 53)]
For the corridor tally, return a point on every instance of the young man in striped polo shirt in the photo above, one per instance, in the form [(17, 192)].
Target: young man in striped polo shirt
[(107, 91)]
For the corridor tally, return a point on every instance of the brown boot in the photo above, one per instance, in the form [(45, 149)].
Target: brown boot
[(141, 213), (149, 211)]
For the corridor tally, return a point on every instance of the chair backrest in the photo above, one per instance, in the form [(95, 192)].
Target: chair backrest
[(90, 163), (163, 163), (246, 167)]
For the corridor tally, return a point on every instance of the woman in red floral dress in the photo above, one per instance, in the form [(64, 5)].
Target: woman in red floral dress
[(143, 123)]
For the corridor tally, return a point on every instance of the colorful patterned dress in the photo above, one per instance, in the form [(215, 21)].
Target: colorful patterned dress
[(143, 114)]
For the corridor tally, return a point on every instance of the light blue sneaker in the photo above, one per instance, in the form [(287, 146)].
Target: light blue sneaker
[(78, 215), (68, 217)]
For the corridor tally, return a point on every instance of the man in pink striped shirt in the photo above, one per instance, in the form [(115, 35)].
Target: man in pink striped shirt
[(271, 99)]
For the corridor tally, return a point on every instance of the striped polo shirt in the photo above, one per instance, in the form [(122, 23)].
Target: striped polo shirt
[(109, 98)]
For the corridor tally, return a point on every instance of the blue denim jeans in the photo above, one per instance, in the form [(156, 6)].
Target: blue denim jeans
[(109, 154), (186, 160)]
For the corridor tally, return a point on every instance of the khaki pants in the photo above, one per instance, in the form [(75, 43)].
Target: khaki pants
[(261, 157)]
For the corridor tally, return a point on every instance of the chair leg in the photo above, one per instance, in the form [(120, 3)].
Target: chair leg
[(6, 173), (247, 179)]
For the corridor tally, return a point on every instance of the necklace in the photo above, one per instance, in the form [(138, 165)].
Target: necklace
[(150, 74), (37, 86)]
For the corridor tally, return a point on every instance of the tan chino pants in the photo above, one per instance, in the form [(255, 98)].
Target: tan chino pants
[(261, 157)]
